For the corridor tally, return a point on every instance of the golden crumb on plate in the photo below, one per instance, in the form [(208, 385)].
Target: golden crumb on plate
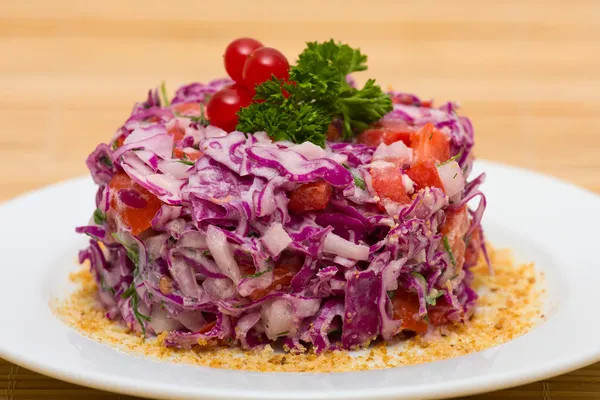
[(510, 304)]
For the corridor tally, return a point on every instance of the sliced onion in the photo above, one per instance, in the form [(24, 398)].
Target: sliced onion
[(452, 178), (276, 239), (221, 251), (337, 245), (396, 152)]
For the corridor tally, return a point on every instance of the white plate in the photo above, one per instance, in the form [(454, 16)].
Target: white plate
[(542, 219)]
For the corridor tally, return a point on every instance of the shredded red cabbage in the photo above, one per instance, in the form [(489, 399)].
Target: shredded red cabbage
[(224, 260)]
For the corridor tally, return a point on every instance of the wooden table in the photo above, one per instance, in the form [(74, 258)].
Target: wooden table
[(526, 72)]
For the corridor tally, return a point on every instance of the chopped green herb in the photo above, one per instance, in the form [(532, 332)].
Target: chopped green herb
[(105, 287), (186, 162), (256, 275), (448, 161), (165, 97), (449, 250), (106, 161), (426, 318), (114, 145), (433, 295), (138, 315), (99, 217), (358, 181), (391, 294), (129, 292), (454, 177), (131, 252), (253, 234), (283, 333)]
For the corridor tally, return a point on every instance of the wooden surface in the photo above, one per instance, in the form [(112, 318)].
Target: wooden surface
[(526, 72)]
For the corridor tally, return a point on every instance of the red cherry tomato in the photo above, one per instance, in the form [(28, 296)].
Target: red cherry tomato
[(236, 54), (222, 107), (262, 63)]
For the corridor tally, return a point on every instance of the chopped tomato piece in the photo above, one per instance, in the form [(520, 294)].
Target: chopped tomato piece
[(310, 197), (189, 109), (437, 314), (430, 143), (454, 229), (176, 130), (207, 327), (473, 248), (284, 272), (406, 308), (137, 218), (388, 132), (387, 182), (188, 153), (120, 141), (425, 173), (426, 104), (333, 133)]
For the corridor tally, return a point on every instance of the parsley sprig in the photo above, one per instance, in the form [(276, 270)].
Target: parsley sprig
[(317, 93)]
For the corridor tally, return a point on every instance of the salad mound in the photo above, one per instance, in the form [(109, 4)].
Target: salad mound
[(288, 205)]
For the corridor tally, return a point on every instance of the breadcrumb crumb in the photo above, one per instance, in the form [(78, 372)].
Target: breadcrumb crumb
[(510, 304)]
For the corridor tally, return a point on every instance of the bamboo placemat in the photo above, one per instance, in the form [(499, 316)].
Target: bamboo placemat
[(527, 72)]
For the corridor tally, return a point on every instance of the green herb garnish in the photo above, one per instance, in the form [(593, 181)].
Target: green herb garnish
[(105, 287), (391, 294), (451, 159), (132, 253), (99, 217), (165, 97), (449, 250), (433, 295), (106, 161), (256, 275), (318, 95), (358, 181), (283, 333), (186, 162)]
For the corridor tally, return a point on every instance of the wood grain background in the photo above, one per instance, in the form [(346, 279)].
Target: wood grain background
[(526, 72)]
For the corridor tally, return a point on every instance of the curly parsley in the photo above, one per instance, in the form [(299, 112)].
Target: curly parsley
[(317, 92)]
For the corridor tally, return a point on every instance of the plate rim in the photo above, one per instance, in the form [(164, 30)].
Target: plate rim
[(467, 386)]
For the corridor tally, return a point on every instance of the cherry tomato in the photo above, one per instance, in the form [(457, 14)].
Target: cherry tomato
[(222, 107), (406, 308), (236, 54), (387, 182), (424, 173), (310, 197), (430, 143), (388, 132), (455, 227), (262, 63), (138, 219)]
